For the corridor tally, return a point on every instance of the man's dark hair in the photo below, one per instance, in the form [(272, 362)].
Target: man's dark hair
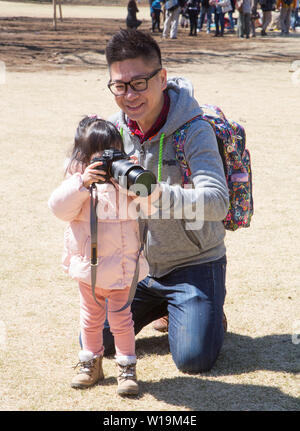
[(131, 44)]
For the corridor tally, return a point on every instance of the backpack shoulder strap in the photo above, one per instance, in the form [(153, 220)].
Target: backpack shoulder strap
[(179, 138), (180, 135)]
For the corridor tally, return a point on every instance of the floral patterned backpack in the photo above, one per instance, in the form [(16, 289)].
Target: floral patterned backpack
[(231, 140)]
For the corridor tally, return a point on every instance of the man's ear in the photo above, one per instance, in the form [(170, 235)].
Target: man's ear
[(163, 78)]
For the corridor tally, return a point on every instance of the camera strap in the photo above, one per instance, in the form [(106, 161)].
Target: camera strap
[(94, 259), (94, 236)]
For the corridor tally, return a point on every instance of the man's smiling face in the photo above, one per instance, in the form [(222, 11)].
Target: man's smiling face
[(145, 106)]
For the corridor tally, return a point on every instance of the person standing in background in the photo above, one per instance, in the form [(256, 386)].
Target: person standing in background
[(244, 18), (155, 11), (286, 7), (230, 16), (294, 16), (206, 10), (253, 18), (172, 8), (226, 7), (131, 20), (193, 7), (219, 15), (266, 6)]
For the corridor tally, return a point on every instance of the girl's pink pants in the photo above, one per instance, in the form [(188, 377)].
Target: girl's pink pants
[(92, 318)]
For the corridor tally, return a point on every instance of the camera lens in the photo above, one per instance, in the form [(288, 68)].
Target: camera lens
[(133, 176), (140, 181)]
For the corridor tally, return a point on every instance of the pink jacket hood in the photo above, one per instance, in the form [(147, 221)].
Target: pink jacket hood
[(118, 233)]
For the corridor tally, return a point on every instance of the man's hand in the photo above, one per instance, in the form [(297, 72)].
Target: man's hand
[(146, 203)]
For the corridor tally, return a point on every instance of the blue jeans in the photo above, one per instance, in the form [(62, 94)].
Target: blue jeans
[(294, 18), (193, 297), (231, 20), (205, 11), (219, 19)]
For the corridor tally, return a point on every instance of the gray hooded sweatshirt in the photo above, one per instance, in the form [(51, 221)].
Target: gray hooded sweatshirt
[(187, 228)]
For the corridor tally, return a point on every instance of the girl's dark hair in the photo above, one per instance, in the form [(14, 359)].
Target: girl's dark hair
[(130, 44), (92, 136)]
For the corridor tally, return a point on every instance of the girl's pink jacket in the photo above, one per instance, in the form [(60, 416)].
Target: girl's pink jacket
[(118, 233)]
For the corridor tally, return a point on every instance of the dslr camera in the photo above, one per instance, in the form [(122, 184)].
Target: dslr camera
[(117, 165)]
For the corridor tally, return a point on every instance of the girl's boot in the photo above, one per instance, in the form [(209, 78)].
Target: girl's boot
[(127, 383), (90, 371)]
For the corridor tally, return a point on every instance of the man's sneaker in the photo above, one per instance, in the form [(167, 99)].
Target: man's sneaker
[(162, 324), (90, 370), (127, 384)]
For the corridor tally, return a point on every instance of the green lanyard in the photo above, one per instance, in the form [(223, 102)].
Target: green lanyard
[(161, 146)]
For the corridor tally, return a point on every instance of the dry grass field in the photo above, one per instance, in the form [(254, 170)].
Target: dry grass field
[(45, 93)]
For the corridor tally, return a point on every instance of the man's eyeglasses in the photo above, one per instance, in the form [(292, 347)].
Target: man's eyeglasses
[(119, 88)]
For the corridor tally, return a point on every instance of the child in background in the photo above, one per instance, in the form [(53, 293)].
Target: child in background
[(184, 17), (118, 246), (155, 11)]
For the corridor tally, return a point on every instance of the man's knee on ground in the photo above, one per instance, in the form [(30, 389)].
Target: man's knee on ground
[(194, 364)]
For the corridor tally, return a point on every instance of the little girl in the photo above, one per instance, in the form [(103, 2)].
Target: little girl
[(118, 246)]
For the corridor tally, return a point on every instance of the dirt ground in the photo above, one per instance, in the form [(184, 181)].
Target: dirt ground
[(30, 43), (52, 79)]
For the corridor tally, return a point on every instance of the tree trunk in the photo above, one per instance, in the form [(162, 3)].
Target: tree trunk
[(54, 14), (60, 10)]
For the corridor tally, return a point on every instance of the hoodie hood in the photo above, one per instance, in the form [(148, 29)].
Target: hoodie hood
[(183, 105)]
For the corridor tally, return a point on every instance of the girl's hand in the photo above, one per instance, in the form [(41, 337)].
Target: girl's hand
[(92, 175)]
